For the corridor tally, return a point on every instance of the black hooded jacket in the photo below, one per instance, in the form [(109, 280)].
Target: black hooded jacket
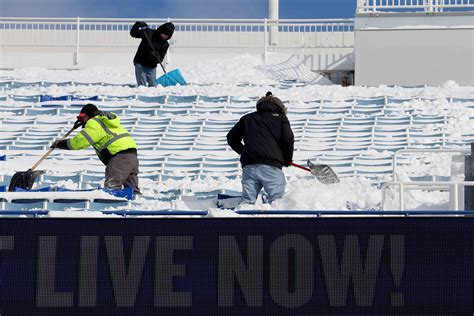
[(267, 135), (145, 55)]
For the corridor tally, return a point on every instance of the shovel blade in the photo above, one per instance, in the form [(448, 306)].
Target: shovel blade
[(323, 173), (171, 78), (24, 179)]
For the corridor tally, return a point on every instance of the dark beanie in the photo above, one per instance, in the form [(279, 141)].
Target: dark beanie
[(90, 110)]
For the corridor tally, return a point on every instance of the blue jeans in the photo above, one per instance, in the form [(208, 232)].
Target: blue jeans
[(146, 76), (256, 176)]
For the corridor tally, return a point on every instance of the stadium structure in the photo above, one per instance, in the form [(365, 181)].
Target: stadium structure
[(373, 97)]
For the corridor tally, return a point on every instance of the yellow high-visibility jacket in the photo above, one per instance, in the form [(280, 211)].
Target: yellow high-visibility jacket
[(105, 134)]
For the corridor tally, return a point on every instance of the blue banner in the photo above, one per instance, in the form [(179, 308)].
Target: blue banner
[(244, 266)]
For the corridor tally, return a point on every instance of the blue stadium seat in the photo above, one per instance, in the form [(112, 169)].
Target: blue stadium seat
[(237, 100), (24, 98), (295, 111), (36, 112), (160, 99), (148, 112), (84, 98), (55, 178), (462, 100), (170, 111), (201, 110), (47, 98), (203, 98), (168, 212), (52, 106), (420, 119), (181, 99), (370, 101), (19, 121), (26, 204), (62, 204), (59, 83), (13, 110), (26, 147), (397, 100), (119, 97), (102, 204)]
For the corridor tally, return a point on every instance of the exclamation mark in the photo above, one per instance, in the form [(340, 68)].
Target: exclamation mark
[(397, 265)]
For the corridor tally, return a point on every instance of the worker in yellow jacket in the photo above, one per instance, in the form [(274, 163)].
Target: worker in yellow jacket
[(112, 143)]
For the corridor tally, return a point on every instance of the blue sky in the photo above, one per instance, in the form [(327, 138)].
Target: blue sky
[(289, 9)]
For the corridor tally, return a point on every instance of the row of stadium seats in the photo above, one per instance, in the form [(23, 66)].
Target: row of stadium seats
[(167, 110), (186, 122), (15, 84), (201, 99)]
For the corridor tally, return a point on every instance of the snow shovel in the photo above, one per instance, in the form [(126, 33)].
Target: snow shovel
[(26, 179), (171, 78), (323, 173)]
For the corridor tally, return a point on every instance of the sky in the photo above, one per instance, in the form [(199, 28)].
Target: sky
[(289, 9)]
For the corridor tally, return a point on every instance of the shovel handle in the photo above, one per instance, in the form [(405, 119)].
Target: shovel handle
[(163, 68), (299, 166), (42, 158), (153, 49), (51, 150)]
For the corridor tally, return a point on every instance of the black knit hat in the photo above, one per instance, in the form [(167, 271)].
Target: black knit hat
[(90, 110)]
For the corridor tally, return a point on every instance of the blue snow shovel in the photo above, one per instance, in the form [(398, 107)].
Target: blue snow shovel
[(171, 78)]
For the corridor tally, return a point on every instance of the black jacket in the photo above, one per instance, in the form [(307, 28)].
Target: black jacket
[(145, 55), (267, 136)]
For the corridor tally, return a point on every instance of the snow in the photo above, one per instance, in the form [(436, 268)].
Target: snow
[(246, 76)]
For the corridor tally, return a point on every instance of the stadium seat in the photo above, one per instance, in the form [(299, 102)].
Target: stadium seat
[(62, 204)]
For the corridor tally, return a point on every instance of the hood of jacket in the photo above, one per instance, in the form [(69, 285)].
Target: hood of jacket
[(270, 104), (167, 28), (109, 118)]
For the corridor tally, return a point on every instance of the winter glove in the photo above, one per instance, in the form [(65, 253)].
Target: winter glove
[(60, 143), (79, 124), (55, 143), (141, 24)]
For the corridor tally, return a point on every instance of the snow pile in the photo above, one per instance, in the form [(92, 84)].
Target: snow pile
[(245, 76)]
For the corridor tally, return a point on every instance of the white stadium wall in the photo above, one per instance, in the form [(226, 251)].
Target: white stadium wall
[(414, 49)]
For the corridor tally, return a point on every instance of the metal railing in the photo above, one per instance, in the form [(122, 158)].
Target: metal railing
[(366, 6), (451, 186), (258, 34), (423, 150)]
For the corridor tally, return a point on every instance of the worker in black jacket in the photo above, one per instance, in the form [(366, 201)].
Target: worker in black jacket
[(268, 146), (151, 51)]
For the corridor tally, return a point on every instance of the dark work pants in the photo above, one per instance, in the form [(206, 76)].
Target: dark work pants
[(122, 172)]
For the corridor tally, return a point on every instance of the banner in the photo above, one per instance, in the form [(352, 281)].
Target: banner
[(246, 266)]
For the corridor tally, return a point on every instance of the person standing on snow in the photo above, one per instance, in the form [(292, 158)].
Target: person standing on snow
[(151, 51), (268, 146), (112, 143)]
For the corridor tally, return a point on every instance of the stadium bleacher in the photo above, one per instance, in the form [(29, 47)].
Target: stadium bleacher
[(179, 140)]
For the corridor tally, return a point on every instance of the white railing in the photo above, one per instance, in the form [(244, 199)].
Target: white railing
[(423, 150), (451, 186), (257, 34), (364, 6)]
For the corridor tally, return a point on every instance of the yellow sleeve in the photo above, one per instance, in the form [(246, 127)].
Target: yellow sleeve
[(90, 135)]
